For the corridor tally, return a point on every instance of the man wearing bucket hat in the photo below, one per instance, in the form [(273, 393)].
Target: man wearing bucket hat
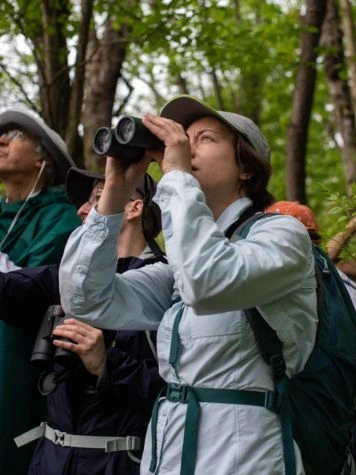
[(36, 219), (35, 215), (106, 395), (215, 174)]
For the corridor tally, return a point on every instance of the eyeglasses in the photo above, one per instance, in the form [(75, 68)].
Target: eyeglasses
[(13, 135)]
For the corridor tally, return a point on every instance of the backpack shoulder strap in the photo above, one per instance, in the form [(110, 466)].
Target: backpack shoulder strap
[(269, 344), (249, 213), (270, 347)]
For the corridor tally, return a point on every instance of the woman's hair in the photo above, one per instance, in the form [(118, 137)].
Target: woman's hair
[(249, 161)]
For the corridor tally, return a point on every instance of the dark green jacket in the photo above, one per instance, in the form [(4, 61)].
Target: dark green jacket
[(38, 238), (41, 230)]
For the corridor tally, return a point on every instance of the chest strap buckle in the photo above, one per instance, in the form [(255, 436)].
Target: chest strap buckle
[(177, 392), (59, 437)]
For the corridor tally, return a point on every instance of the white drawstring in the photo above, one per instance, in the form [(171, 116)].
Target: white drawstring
[(152, 346)]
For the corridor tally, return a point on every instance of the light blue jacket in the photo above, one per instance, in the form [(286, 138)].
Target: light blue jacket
[(215, 279)]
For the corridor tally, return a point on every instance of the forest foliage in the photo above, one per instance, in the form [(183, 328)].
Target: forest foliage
[(239, 55)]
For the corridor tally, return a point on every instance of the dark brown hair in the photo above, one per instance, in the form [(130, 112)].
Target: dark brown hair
[(151, 217), (249, 161)]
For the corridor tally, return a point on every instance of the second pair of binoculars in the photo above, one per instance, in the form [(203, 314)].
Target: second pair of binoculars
[(44, 352), (128, 139)]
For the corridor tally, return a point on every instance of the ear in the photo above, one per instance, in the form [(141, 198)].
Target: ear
[(245, 176), (134, 209), (39, 162)]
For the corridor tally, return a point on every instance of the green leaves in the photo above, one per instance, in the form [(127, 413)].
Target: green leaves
[(240, 54)]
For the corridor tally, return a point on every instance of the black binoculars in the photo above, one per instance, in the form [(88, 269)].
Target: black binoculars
[(44, 352), (128, 140)]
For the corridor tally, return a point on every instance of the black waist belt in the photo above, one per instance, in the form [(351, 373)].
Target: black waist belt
[(192, 397)]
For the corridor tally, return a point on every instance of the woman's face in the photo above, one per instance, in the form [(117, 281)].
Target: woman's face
[(213, 159)]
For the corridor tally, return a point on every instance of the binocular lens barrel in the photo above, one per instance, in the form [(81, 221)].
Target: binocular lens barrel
[(105, 143), (128, 140), (102, 140), (125, 129), (131, 131), (61, 354), (44, 352)]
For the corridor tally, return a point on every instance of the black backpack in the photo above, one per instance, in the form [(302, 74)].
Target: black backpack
[(317, 404)]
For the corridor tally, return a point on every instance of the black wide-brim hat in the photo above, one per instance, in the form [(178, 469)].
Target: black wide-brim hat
[(79, 185), (49, 139)]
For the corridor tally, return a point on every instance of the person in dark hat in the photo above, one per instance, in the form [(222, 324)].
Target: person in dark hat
[(102, 400), (216, 416), (36, 219), (79, 185)]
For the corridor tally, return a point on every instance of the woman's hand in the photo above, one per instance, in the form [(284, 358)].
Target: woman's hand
[(121, 179), (87, 342), (177, 153)]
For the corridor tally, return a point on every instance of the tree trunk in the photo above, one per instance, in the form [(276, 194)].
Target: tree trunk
[(348, 27), (51, 55), (77, 91), (339, 90), (102, 74), (182, 84), (217, 89), (297, 136), (249, 102)]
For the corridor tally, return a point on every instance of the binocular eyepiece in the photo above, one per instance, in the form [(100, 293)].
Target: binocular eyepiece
[(128, 140)]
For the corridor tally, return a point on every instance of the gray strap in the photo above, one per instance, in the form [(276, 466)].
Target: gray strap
[(133, 458), (109, 444), (152, 346), (349, 467), (30, 435)]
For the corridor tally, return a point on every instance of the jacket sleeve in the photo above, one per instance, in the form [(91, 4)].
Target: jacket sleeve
[(132, 373), (214, 274), (26, 294), (92, 290)]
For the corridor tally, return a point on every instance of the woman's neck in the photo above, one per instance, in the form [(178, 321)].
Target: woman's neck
[(218, 204), (131, 242)]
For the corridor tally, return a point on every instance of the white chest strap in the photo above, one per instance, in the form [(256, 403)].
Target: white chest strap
[(110, 444)]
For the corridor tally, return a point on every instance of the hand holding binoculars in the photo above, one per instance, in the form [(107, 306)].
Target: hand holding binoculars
[(128, 139)]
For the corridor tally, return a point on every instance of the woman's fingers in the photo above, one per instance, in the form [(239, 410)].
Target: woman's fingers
[(177, 153)]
